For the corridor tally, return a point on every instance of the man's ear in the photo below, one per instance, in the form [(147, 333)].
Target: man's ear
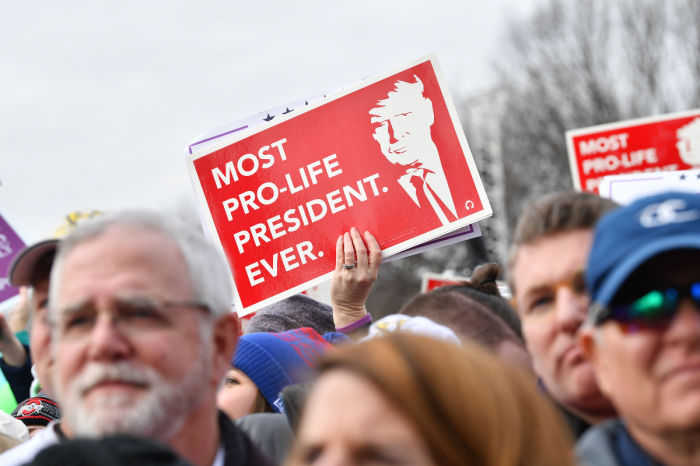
[(226, 331), (586, 341), (592, 351)]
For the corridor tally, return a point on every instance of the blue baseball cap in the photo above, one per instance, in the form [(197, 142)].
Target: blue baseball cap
[(629, 236)]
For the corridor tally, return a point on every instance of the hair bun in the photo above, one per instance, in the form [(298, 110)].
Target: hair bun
[(484, 278)]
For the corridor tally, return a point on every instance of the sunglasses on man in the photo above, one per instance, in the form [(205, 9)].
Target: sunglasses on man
[(655, 309)]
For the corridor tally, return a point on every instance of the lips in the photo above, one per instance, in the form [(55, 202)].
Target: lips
[(571, 357), (114, 385), (684, 370), (401, 150)]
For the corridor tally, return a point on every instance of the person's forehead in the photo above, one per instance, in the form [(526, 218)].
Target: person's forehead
[(126, 243), (359, 401), (678, 267), (409, 102), (551, 259), (389, 112), (379, 118), (239, 373), (123, 252), (42, 286)]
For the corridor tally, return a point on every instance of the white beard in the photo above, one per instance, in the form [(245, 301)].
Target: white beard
[(159, 413)]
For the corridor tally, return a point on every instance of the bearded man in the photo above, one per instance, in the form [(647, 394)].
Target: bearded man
[(142, 335)]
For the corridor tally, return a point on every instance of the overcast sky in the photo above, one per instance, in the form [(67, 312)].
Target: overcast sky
[(98, 99)]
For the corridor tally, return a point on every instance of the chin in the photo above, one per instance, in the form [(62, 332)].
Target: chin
[(584, 390), (582, 380), (684, 411)]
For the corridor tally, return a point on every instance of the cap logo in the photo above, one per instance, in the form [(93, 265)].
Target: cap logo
[(669, 211), (387, 328), (30, 408)]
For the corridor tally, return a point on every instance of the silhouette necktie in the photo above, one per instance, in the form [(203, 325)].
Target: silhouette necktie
[(427, 210)]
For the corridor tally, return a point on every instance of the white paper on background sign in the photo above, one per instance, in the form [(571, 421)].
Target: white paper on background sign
[(625, 189)]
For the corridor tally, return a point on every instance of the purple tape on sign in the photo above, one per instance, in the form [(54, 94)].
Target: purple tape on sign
[(10, 245)]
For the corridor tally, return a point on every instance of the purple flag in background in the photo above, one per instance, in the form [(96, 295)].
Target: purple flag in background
[(10, 244)]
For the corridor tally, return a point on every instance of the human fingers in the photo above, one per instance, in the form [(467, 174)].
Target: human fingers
[(360, 249), (375, 251), (4, 327), (339, 253), (348, 251)]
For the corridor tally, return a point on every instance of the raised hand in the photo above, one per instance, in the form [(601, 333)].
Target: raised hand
[(355, 272)]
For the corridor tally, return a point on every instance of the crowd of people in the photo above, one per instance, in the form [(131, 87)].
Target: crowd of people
[(123, 350)]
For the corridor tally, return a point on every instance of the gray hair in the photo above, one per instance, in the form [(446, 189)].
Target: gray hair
[(208, 271)]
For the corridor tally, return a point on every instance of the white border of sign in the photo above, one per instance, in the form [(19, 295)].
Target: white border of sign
[(235, 137), (625, 189), (456, 236), (572, 133)]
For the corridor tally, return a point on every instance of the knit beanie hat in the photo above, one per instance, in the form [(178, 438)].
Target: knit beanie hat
[(275, 360), (297, 311), (37, 411)]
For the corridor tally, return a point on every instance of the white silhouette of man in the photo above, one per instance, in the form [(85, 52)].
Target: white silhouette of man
[(402, 129), (689, 142)]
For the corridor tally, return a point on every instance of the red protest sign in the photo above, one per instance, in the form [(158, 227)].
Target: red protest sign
[(387, 155), (431, 281), (661, 143)]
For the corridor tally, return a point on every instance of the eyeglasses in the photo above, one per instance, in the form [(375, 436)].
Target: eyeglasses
[(540, 301), (656, 308), (129, 315)]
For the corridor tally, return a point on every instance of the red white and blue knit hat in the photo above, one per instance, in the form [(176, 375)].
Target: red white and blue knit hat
[(275, 360)]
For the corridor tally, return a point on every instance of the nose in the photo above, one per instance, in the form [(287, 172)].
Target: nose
[(570, 309), (392, 138), (334, 457), (106, 342), (685, 327)]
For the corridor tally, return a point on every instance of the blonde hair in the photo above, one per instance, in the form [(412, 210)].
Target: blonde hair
[(470, 408)]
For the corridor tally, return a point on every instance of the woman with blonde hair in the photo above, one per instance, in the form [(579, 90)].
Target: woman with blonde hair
[(412, 400)]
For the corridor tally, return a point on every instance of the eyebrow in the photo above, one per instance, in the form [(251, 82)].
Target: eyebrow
[(74, 308), (536, 290)]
